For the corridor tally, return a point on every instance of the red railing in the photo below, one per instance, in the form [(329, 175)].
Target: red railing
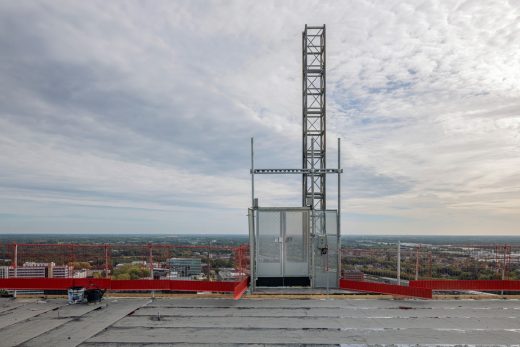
[(224, 268), (435, 261), (103, 258), (383, 288), (237, 288), (240, 288)]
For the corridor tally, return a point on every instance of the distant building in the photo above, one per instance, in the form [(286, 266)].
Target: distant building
[(29, 271), (139, 262), (79, 273), (34, 264), (159, 273), (4, 271), (62, 271), (186, 267), (172, 275), (229, 274), (40, 270)]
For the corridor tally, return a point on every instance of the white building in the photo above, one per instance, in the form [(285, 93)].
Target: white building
[(62, 271), (40, 270), (79, 273), (29, 271), (4, 271)]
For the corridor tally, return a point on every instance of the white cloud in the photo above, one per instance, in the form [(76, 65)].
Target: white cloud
[(150, 106)]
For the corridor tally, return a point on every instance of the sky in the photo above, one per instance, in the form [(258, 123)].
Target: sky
[(136, 116)]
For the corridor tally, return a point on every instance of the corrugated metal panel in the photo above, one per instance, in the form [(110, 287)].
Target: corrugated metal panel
[(467, 284), (384, 288)]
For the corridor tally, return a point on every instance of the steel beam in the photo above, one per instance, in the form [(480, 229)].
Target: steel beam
[(297, 171)]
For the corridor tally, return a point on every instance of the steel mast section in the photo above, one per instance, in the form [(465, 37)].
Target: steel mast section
[(320, 234), (314, 117), (314, 147)]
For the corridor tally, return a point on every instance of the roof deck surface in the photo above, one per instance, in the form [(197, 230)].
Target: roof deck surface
[(263, 321)]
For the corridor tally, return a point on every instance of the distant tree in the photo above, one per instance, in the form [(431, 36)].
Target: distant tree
[(131, 272), (466, 276), (123, 276), (218, 263), (78, 265)]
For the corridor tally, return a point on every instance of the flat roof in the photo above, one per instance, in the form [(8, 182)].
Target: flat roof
[(210, 321)]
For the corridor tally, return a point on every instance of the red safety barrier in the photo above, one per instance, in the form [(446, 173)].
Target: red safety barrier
[(203, 286), (383, 288), (237, 288), (482, 285), (37, 283), (53, 283), (240, 288)]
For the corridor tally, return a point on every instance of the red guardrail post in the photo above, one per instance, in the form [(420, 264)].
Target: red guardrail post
[(240, 288)]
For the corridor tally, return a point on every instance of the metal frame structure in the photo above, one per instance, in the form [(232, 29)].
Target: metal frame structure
[(314, 139), (314, 117), (314, 149), (104, 255), (64, 253)]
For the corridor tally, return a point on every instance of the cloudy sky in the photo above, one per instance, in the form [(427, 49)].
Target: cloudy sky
[(126, 117)]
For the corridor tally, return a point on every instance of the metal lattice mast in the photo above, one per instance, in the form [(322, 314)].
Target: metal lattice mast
[(314, 116)]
